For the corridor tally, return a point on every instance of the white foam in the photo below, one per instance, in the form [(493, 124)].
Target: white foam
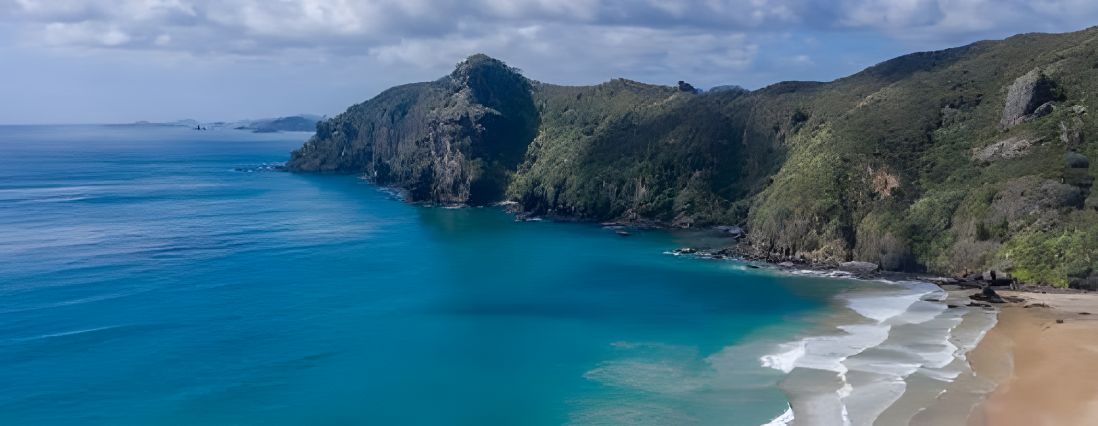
[(786, 357), (882, 308), (783, 419), (904, 331)]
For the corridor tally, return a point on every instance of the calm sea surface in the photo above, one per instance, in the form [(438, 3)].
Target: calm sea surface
[(160, 275)]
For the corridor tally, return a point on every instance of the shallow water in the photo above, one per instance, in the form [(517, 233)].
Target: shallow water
[(163, 275)]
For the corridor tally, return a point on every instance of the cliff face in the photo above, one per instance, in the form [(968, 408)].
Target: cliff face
[(963, 159), (454, 140)]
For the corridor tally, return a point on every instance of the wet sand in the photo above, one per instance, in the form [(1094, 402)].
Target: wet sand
[(1047, 372)]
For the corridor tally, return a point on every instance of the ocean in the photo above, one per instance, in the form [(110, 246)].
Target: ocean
[(161, 275)]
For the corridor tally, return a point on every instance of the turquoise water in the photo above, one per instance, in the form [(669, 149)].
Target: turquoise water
[(156, 275)]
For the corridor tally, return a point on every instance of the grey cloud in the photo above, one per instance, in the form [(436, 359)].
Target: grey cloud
[(647, 37)]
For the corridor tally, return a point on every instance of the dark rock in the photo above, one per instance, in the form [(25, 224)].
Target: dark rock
[(856, 267), (686, 87), (1059, 321), (978, 305), (730, 230), (1043, 110), (997, 278), (988, 295), (1088, 283), (1084, 313)]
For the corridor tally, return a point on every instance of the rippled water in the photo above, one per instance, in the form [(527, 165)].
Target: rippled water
[(153, 275)]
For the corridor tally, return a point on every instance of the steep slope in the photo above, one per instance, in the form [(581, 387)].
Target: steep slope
[(454, 140), (922, 173), (952, 161)]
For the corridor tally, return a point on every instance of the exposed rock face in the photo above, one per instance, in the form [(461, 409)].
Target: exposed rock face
[(1024, 96), (1006, 149), (1071, 132), (858, 267), (454, 140)]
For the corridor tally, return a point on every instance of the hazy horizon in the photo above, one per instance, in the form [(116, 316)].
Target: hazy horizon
[(97, 61)]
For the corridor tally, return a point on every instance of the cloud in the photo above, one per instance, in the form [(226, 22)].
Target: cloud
[(957, 21), (381, 27)]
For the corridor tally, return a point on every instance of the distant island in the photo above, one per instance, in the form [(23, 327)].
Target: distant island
[(292, 123), (965, 161)]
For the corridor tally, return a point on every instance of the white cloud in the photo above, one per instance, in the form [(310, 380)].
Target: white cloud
[(599, 37)]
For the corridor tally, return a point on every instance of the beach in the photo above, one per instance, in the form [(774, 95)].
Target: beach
[(1044, 368)]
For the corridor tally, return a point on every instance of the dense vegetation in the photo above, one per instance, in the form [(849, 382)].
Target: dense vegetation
[(952, 161)]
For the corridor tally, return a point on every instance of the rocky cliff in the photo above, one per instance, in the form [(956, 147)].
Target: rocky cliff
[(454, 140), (957, 160)]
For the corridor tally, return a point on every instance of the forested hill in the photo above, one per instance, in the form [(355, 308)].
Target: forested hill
[(958, 160)]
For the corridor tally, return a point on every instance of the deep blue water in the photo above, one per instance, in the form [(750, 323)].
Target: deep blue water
[(161, 276)]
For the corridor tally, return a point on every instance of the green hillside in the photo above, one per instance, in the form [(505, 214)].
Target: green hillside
[(952, 161)]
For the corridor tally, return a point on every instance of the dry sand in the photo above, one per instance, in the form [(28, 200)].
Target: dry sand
[(1047, 371)]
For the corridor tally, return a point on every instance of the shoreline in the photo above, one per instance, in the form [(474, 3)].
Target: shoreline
[(1025, 369), (1041, 355), (1033, 366)]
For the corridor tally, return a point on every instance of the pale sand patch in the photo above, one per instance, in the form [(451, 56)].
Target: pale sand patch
[(1047, 372)]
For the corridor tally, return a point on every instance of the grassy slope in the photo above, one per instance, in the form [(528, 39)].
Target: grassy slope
[(947, 213), (877, 166)]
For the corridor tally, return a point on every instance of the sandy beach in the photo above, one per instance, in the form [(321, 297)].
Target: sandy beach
[(1043, 359)]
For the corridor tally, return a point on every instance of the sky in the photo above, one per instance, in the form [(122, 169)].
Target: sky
[(117, 61)]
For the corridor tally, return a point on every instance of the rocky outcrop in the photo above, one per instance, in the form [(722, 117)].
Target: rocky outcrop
[(1024, 96), (1006, 149), (455, 140), (988, 295), (859, 267)]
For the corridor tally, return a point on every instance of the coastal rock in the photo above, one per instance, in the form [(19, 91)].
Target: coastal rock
[(1089, 283), (988, 295), (1024, 96), (996, 278), (450, 141), (730, 230), (856, 267)]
